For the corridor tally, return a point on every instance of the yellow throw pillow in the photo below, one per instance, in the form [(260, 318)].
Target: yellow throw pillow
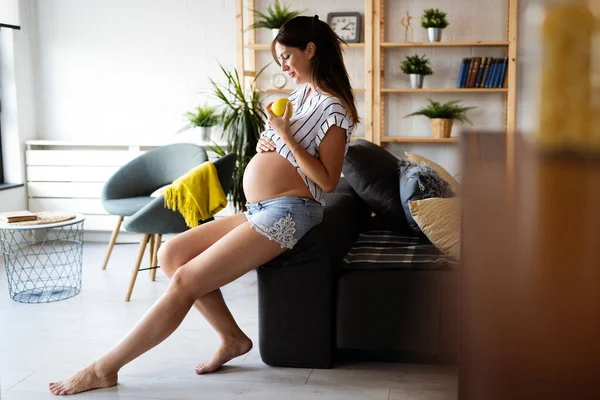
[(445, 175), (439, 219)]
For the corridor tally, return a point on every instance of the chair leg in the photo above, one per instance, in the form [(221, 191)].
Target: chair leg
[(138, 262), (157, 242), (151, 254), (111, 244)]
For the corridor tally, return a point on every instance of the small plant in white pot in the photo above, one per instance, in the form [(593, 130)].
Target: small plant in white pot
[(417, 67), (434, 21), (442, 115), (275, 16), (203, 119)]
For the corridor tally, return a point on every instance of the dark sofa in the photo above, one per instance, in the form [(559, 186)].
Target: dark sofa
[(312, 309)]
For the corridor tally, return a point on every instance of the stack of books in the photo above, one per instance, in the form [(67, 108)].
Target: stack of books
[(483, 72), (17, 216)]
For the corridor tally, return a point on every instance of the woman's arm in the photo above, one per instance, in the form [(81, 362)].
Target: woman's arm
[(326, 170)]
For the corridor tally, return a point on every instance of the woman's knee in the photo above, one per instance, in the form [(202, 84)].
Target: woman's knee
[(181, 283), (167, 259)]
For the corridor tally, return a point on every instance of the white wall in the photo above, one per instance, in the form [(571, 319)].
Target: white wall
[(127, 70)]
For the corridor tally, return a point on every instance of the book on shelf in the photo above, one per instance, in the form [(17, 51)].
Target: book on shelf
[(462, 74), (482, 72), (17, 216)]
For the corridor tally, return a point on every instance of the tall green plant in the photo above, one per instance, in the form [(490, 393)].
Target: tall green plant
[(243, 119), (275, 16)]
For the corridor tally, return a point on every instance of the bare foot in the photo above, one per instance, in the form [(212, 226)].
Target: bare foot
[(226, 352), (86, 379)]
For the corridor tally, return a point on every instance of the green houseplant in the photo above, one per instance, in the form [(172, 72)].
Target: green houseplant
[(203, 118), (275, 16), (417, 67), (434, 21), (243, 119), (442, 116)]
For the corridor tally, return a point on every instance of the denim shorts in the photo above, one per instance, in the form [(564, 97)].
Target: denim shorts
[(284, 220)]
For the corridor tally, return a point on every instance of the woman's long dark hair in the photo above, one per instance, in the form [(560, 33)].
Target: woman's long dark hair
[(328, 70)]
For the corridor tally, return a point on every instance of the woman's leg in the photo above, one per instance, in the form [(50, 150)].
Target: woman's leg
[(180, 250), (238, 252)]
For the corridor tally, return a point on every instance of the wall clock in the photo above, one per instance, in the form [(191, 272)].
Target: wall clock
[(346, 25), (278, 80)]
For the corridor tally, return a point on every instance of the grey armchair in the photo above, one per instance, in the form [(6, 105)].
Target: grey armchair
[(129, 189), (154, 220)]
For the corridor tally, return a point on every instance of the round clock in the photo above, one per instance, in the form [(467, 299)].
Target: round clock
[(346, 25), (278, 80)]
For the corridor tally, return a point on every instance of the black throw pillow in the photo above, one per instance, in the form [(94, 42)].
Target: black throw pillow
[(373, 174), (418, 182)]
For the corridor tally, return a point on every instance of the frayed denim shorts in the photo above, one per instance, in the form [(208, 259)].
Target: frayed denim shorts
[(284, 220)]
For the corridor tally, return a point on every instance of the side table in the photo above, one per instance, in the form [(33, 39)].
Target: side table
[(43, 262)]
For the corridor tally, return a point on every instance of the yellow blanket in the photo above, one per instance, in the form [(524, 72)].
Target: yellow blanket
[(197, 195)]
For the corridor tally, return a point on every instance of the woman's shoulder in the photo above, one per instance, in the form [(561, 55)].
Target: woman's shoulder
[(329, 101)]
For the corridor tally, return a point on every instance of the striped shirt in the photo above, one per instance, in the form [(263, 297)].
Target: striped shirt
[(313, 116)]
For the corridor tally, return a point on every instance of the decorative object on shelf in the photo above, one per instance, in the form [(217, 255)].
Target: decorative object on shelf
[(274, 18), (346, 25), (243, 119), (279, 80), (405, 22), (434, 21), (202, 119), (442, 115), (417, 67)]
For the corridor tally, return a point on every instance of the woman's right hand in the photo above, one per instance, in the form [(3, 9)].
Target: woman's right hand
[(265, 145)]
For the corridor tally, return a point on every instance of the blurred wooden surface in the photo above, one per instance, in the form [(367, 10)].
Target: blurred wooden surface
[(530, 274)]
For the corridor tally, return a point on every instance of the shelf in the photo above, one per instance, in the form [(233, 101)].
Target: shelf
[(445, 44), (416, 139), (267, 46), (289, 90), (446, 90)]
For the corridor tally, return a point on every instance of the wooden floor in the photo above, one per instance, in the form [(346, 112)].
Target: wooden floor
[(40, 343)]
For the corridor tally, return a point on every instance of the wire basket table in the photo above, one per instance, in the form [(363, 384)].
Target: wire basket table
[(43, 262)]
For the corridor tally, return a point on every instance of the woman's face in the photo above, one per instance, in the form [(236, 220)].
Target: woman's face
[(295, 62)]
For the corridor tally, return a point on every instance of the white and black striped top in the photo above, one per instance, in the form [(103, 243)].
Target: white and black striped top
[(313, 116)]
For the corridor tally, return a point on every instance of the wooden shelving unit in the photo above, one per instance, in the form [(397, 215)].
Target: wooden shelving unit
[(267, 46), (444, 90), (380, 93), (375, 48), (417, 139), (445, 44)]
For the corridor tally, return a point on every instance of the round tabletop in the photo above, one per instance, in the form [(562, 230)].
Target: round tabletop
[(78, 218)]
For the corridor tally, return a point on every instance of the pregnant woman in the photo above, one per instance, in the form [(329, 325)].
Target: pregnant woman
[(299, 158)]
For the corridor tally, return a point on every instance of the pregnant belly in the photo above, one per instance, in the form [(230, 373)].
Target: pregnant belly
[(269, 175)]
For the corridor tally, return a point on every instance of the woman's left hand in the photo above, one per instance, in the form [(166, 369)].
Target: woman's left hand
[(281, 125)]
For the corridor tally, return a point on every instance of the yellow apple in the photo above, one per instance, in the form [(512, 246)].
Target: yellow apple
[(278, 106)]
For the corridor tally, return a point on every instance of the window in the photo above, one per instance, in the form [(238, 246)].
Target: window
[(1, 161)]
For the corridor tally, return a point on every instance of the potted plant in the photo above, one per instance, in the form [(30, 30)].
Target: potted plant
[(203, 119), (442, 115), (434, 21), (417, 67), (274, 18), (243, 120)]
